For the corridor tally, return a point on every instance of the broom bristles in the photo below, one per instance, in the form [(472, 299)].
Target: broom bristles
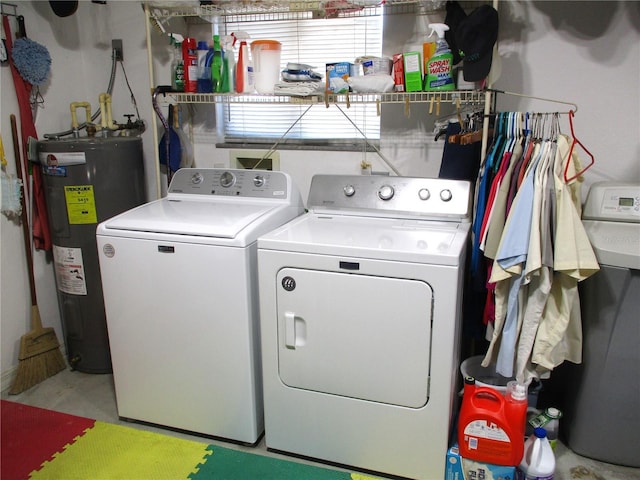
[(36, 369)]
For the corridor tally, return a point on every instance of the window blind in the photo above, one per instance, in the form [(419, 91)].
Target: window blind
[(316, 43)]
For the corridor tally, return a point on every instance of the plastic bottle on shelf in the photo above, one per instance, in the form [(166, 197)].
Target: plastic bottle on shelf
[(190, 58), (177, 67), (244, 69), (228, 64), (438, 74), (204, 73), (538, 461), (216, 65)]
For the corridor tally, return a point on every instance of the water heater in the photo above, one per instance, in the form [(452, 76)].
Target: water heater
[(87, 180)]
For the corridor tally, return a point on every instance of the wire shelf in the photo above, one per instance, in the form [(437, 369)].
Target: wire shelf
[(266, 10), (467, 97)]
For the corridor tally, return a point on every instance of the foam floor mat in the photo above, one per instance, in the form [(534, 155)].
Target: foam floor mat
[(43, 444)]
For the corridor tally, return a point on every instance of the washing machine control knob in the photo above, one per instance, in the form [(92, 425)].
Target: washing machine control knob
[(197, 178), (424, 194), (227, 179), (349, 190), (446, 195), (258, 181), (386, 192)]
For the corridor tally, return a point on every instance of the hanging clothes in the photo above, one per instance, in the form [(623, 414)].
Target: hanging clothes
[(527, 226), (459, 162), (559, 336)]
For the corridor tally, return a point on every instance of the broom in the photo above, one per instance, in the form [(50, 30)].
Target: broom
[(40, 356)]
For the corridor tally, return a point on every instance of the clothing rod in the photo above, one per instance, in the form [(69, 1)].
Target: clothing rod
[(575, 107)]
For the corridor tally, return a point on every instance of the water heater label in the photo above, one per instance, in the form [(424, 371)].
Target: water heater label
[(69, 269), (81, 204), (57, 159)]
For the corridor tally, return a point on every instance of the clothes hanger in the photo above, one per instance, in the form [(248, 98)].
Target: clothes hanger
[(573, 144)]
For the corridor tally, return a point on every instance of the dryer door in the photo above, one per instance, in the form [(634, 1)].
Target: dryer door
[(355, 335)]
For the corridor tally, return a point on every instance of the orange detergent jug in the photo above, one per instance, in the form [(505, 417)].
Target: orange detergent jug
[(491, 425)]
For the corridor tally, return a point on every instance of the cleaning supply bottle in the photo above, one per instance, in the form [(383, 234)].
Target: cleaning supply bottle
[(204, 73), (550, 421), (491, 424), (244, 69), (229, 64), (177, 67), (216, 65), (438, 74), (190, 58), (538, 461)]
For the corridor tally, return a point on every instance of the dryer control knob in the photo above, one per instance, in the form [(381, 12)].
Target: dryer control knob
[(386, 192), (258, 181), (349, 190), (446, 195), (424, 194)]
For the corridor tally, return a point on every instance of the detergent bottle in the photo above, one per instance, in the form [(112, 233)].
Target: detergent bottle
[(244, 69), (438, 73), (204, 73), (538, 461), (491, 424)]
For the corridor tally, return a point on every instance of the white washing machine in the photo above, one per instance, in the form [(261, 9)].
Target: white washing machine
[(180, 291), (360, 303)]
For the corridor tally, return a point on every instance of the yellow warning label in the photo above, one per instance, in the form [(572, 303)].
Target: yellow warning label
[(81, 204)]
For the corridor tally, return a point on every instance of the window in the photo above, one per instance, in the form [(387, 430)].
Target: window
[(312, 42)]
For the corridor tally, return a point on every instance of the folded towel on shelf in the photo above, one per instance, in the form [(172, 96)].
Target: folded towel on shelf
[(298, 89), (371, 83)]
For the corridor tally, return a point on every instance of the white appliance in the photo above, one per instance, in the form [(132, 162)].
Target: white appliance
[(360, 303), (180, 292), (610, 370)]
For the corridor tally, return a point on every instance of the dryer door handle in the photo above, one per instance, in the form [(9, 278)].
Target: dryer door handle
[(295, 331), (290, 329)]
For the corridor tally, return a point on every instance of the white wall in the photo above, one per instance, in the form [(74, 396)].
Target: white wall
[(582, 52)]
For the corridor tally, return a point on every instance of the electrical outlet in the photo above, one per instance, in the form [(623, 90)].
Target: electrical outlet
[(116, 46)]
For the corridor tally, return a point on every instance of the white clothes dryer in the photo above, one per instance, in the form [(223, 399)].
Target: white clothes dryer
[(180, 292), (360, 303)]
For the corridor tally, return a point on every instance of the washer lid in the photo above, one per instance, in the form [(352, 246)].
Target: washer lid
[(191, 217)]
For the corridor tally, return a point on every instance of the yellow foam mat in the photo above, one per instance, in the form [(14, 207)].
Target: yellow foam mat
[(113, 452)]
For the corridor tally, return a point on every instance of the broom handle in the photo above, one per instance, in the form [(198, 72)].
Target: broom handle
[(24, 219)]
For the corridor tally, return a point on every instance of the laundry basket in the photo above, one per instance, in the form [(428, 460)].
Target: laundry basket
[(488, 377), (485, 376)]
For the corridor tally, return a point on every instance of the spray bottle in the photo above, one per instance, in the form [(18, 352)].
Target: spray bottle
[(229, 64), (244, 69), (177, 64), (216, 65), (438, 75)]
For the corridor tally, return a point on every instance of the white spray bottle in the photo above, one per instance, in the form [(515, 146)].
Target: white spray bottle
[(228, 42)]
